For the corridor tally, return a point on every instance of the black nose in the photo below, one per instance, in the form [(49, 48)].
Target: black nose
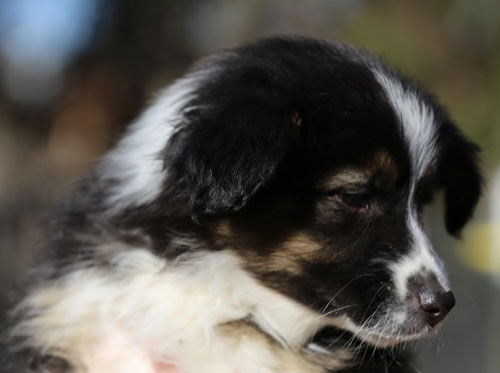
[(436, 305)]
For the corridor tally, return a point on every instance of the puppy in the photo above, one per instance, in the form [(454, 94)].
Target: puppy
[(262, 215)]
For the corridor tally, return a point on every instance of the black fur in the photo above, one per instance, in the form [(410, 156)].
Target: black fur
[(461, 179)]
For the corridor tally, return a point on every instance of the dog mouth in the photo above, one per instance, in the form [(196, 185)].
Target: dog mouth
[(388, 337), (382, 332), (333, 336), (382, 340)]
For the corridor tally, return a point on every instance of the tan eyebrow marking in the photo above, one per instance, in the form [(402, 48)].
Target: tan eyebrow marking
[(380, 162), (346, 176)]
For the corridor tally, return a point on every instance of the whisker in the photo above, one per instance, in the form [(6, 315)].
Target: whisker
[(342, 288)]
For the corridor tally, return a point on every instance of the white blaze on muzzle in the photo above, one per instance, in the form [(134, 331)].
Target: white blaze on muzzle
[(420, 261), (418, 128)]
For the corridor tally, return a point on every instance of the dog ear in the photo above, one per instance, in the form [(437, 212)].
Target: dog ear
[(460, 177), (230, 151)]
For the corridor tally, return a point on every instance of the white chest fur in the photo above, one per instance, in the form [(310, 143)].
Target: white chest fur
[(144, 314)]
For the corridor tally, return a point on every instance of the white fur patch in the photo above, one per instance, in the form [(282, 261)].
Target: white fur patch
[(136, 166), (416, 120), (419, 130), (156, 312), (421, 258)]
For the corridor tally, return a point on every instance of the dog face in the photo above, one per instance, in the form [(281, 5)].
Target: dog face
[(313, 162)]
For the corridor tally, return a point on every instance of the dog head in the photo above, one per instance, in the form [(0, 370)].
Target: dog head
[(312, 162)]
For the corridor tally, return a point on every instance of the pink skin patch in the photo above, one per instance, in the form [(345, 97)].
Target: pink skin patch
[(166, 368), (115, 353)]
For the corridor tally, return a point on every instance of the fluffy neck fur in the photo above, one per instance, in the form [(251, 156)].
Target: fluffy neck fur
[(212, 315)]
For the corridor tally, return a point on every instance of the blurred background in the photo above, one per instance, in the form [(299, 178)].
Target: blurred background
[(73, 73)]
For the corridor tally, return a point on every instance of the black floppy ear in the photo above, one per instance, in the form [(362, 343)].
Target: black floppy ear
[(460, 177), (229, 151)]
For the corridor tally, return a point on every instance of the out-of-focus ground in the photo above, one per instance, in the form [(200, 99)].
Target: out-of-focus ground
[(73, 73)]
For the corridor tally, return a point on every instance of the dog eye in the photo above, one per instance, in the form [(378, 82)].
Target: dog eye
[(356, 200)]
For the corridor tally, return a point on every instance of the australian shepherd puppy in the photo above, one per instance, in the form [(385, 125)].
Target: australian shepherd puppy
[(264, 214)]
